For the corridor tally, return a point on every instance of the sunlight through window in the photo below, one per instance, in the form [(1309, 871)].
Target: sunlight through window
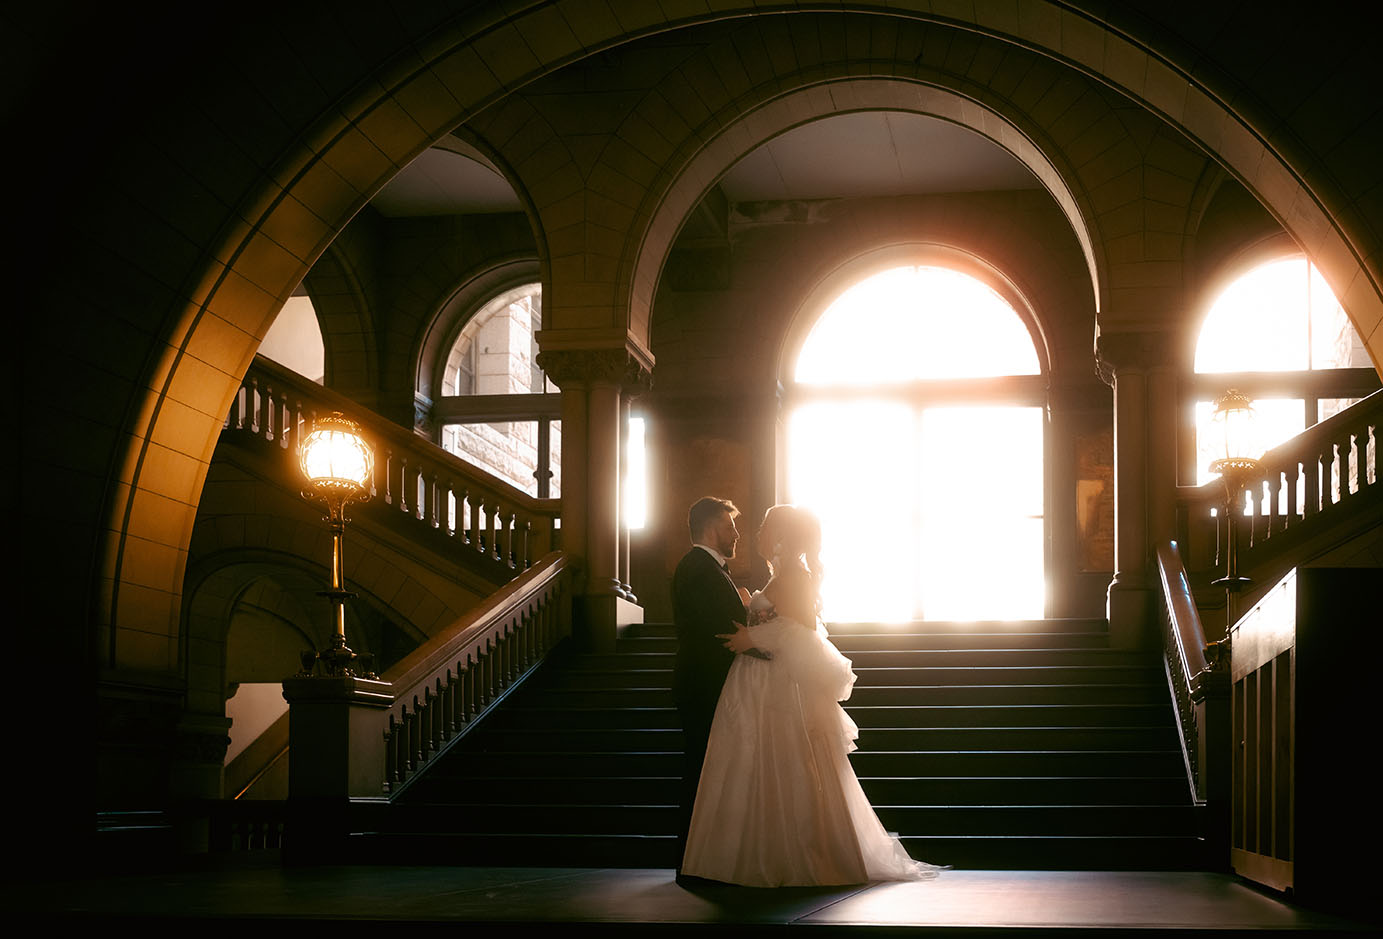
[(1279, 317), (916, 323), (929, 509), (635, 476)]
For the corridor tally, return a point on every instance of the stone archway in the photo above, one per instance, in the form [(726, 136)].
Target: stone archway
[(279, 224)]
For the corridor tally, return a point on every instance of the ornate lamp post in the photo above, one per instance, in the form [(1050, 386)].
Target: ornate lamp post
[(339, 466), (1234, 414)]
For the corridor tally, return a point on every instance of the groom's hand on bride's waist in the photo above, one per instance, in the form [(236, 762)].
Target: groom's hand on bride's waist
[(741, 642)]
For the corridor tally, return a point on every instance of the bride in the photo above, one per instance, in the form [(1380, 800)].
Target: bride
[(778, 803)]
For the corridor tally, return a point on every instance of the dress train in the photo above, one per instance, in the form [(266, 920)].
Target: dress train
[(778, 802)]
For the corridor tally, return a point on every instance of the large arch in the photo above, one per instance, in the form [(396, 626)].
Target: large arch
[(849, 94), (325, 169)]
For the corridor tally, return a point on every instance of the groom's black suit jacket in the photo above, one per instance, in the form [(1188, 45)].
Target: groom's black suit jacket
[(705, 605)]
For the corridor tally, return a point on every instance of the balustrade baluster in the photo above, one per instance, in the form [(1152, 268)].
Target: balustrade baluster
[(490, 688), (1311, 473), (1373, 455), (439, 720), (384, 464), (415, 736), (474, 674), (1333, 492), (430, 515), (391, 769), (476, 536), (1350, 484), (507, 524), (1278, 509), (1294, 484), (252, 405), (265, 396), (530, 652)]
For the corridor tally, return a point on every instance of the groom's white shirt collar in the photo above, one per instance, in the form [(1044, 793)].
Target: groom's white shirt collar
[(720, 559)]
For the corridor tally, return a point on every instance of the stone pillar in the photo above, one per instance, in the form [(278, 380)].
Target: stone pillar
[(336, 744), (1138, 368), (1162, 452), (595, 383)]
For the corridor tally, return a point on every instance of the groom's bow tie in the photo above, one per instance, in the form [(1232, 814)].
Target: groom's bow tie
[(725, 568)]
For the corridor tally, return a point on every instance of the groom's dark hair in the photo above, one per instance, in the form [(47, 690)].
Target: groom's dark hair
[(706, 510)]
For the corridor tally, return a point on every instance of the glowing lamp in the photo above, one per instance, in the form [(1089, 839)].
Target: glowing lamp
[(339, 466), (336, 459), (1235, 417)]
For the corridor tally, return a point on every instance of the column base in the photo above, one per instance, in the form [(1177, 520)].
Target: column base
[(1129, 610), (599, 618)]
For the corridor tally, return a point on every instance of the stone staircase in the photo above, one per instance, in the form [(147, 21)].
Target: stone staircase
[(1026, 745)]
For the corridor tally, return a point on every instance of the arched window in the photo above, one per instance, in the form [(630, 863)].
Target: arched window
[(916, 433), (495, 355), (1278, 334), (499, 411)]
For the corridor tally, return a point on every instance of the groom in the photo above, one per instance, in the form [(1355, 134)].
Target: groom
[(706, 606)]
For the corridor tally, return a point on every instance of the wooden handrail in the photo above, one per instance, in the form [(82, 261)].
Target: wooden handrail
[(442, 687), (425, 663), (1187, 633), (1197, 679)]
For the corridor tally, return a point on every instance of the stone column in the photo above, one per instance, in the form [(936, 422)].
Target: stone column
[(1135, 365), (1162, 452), (599, 380)]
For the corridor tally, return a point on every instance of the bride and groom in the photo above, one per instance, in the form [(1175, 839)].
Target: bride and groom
[(769, 797)]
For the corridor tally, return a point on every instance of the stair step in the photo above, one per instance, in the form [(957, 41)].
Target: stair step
[(475, 788), (935, 820), (854, 643), (875, 739), (1055, 625), (638, 676), (1019, 715), (866, 763), (979, 852), (874, 659)]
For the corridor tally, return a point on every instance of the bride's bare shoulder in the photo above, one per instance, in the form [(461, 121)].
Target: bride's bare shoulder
[(793, 593)]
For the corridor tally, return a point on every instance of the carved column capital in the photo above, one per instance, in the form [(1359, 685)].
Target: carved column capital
[(1135, 350), (597, 367)]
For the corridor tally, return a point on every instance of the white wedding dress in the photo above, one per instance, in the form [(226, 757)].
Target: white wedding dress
[(779, 803)]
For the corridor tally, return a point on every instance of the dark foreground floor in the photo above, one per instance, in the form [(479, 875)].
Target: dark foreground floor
[(648, 902)]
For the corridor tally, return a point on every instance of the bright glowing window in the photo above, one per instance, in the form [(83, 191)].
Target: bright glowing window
[(923, 495), (916, 323), (1279, 317)]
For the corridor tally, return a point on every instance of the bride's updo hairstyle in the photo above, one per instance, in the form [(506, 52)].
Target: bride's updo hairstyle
[(805, 533), (797, 533)]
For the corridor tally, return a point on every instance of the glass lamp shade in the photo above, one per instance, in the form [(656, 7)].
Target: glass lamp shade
[(1234, 414), (335, 458)]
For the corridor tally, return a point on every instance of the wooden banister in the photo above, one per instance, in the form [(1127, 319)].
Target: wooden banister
[(1198, 678), (444, 685)]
